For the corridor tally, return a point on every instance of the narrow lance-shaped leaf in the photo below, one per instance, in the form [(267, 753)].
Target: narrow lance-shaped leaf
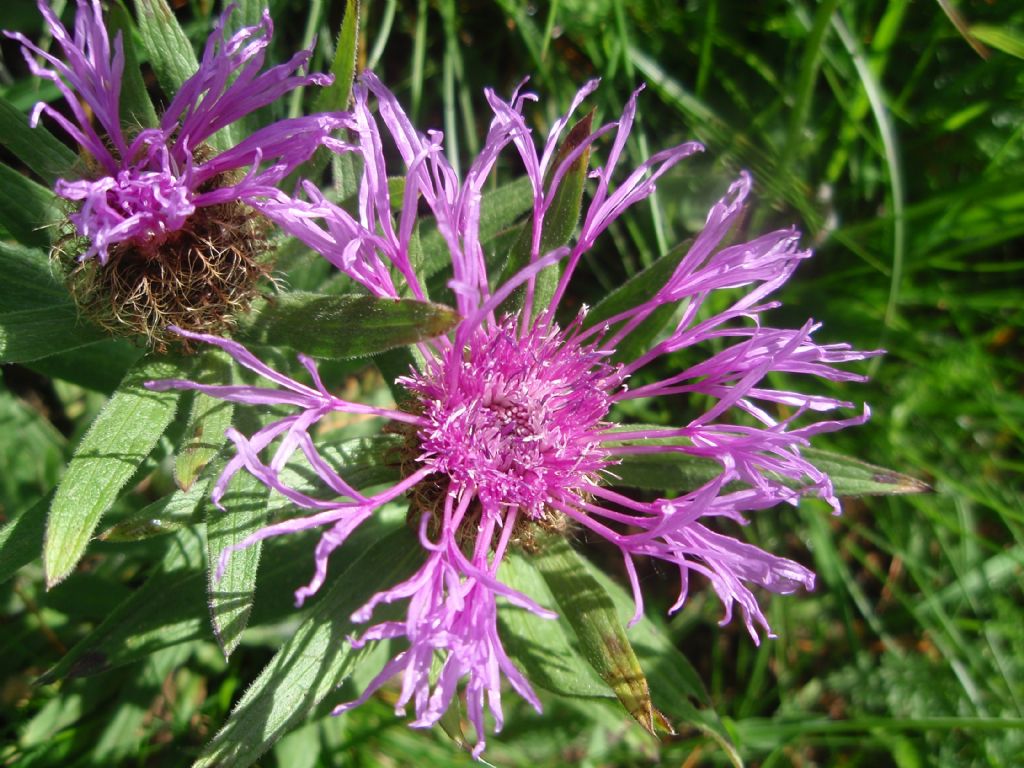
[(166, 610), (21, 539), (170, 606), (136, 106), (231, 592), (118, 441), (36, 147), (315, 661), (207, 423), (547, 650), (170, 53), (640, 288), (677, 687), (560, 221), (164, 516), (344, 326), (335, 97), (28, 211), (679, 470), (853, 477), (586, 606)]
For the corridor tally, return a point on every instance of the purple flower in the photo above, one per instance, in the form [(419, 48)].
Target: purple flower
[(515, 422), (141, 186)]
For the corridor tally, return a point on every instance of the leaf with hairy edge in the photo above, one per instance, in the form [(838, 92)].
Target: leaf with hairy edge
[(560, 221), (118, 441), (170, 53), (21, 539), (639, 289), (231, 595), (546, 649), (169, 608), (679, 470), (136, 106), (344, 326), (31, 334), (677, 685), (167, 515), (166, 610), (28, 210), (500, 210), (37, 318), (588, 609), (853, 477), (207, 422), (315, 661), (36, 147), (335, 97)]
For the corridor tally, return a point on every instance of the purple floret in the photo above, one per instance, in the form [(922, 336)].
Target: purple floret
[(141, 186)]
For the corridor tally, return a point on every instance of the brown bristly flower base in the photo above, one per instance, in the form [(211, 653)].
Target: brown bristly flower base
[(197, 278)]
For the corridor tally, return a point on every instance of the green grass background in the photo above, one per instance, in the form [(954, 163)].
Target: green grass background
[(891, 134)]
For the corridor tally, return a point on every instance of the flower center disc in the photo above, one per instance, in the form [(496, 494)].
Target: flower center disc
[(516, 418)]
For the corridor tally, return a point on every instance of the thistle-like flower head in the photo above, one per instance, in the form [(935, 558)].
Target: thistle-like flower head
[(160, 206), (514, 415)]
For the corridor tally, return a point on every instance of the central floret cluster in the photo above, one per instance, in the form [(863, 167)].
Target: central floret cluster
[(515, 416)]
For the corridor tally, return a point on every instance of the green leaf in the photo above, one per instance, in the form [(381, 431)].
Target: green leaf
[(336, 96), (314, 661), (677, 689), (588, 609), (500, 209), (167, 515), (28, 211), (21, 539), (208, 420), (560, 220), (28, 280), (678, 470), (166, 610), (99, 366), (344, 326), (136, 107), (118, 441), (170, 53), (664, 471), (361, 461), (37, 318), (853, 477), (231, 595), (31, 334), (1002, 38), (36, 147), (546, 649), (635, 291)]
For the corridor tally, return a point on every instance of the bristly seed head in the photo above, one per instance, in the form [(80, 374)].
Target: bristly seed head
[(198, 277)]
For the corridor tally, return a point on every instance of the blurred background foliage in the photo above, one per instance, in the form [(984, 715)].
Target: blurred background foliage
[(890, 132)]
